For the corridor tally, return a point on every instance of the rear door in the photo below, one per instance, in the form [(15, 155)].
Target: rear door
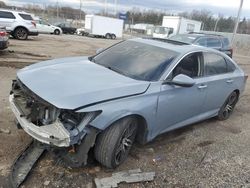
[(7, 19), (44, 27), (219, 80)]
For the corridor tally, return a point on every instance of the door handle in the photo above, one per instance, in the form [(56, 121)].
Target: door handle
[(230, 81), (202, 86)]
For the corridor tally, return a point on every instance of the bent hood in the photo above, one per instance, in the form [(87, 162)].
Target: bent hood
[(70, 83)]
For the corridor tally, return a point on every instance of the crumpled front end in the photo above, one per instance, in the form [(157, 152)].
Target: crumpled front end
[(45, 122)]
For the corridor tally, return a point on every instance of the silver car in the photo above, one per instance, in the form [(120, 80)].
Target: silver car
[(132, 91)]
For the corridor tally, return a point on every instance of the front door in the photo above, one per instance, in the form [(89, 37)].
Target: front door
[(178, 104)]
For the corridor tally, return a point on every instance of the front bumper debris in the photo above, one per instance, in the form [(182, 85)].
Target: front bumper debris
[(52, 134)]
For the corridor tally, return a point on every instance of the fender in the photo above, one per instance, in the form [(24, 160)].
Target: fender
[(144, 106)]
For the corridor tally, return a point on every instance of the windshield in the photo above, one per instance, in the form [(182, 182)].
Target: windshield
[(184, 38), (136, 60)]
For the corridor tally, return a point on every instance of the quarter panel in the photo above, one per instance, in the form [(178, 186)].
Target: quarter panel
[(219, 89)]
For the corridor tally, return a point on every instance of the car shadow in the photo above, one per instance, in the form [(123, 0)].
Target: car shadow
[(175, 136), (30, 38)]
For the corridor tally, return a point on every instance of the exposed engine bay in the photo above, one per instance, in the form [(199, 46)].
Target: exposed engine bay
[(59, 130), (33, 108)]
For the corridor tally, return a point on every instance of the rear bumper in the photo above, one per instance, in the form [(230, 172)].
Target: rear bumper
[(4, 44), (33, 33), (52, 134)]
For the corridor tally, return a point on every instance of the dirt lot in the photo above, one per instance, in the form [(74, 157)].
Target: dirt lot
[(207, 154)]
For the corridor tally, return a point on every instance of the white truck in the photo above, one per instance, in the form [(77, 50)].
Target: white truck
[(173, 25), (100, 26)]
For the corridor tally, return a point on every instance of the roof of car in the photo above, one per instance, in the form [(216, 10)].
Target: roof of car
[(200, 34), (178, 47), (16, 11)]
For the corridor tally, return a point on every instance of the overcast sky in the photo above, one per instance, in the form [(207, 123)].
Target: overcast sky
[(225, 7)]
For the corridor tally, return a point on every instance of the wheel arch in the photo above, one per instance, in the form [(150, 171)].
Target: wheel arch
[(20, 26), (142, 134)]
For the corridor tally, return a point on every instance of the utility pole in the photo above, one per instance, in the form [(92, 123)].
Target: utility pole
[(80, 16), (216, 23), (57, 11), (237, 21)]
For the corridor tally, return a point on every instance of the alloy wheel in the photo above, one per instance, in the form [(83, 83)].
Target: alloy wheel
[(21, 34), (230, 104), (125, 143)]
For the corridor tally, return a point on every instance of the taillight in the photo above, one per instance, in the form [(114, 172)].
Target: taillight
[(231, 51), (245, 78), (34, 23), (3, 34)]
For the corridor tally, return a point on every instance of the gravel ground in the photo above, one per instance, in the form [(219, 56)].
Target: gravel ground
[(207, 154)]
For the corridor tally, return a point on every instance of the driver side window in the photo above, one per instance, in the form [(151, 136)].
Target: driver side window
[(191, 66)]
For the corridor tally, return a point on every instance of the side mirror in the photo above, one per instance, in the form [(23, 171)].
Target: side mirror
[(181, 80), (99, 50)]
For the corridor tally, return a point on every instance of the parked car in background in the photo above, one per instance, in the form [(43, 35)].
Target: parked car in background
[(80, 31), (45, 27), (67, 28), (162, 32), (175, 25), (4, 38), (214, 41), (134, 90), (19, 24)]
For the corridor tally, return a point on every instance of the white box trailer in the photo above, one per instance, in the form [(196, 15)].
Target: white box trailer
[(101, 26), (179, 25)]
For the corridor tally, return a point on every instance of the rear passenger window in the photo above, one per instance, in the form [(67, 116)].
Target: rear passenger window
[(8, 15), (214, 64), (213, 43), (230, 66), (26, 16)]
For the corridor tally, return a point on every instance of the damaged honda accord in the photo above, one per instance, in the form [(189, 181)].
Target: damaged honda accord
[(131, 91)]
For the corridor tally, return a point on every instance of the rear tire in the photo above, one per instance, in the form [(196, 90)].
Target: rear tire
[(113, 36), (113, 145), (108, 36), (21, 33), (227, 108)]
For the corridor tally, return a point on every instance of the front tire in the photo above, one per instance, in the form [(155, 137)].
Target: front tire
[(113, 145), (21, 33), (227, 108), (57, 32)]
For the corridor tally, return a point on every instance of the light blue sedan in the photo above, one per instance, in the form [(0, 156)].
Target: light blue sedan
[(132, 91)]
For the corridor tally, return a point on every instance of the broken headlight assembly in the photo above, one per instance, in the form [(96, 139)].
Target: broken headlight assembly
[(76, 122)]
